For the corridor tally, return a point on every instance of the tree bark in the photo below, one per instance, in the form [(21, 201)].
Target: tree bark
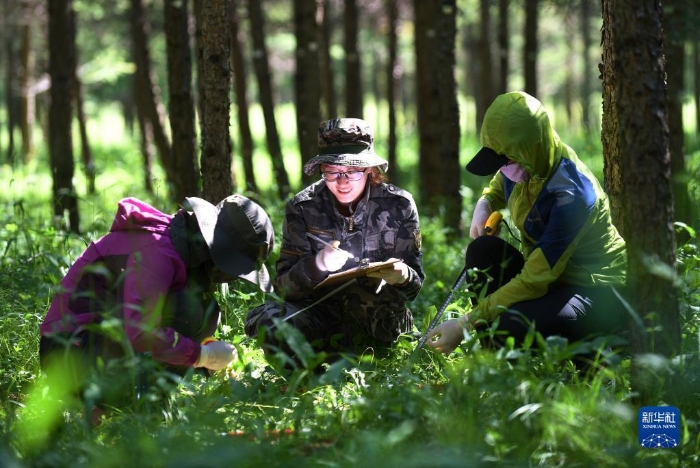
[(217, 177), (448, 190), (26, 72), (88, 161), (392, 81), (330, 109), (610, 131), (262, 73), (353, 64), (486, 93), (240, 86), (62, 72), (428, 99), (149, 101), (531, 48), (307, 85), (586, 79), (674, 46), (644, 155), (181, 101), (503, 46)]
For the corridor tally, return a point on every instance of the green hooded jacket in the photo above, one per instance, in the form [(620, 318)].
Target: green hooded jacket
[(561, 210)]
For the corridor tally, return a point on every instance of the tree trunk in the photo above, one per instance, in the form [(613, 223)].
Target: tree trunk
[(26, 72), (645, 158), (262, 73), (327, 79), (145, 139), (610, 131), (353, 72), (392, 82), (448, 190), (675, 18), (149, 93), (428, 99), (88, 161), (10, 95), (486, 93), (503, 46), (240, 85), (531, 47), (181, 101), (307, 85), (217, 177), (586, 79), (696, 83), (62, 72)]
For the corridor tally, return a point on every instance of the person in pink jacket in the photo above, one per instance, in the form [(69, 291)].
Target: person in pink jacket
[(147, 286)]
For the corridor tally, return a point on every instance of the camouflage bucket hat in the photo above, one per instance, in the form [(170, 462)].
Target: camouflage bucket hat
[(345, 142)]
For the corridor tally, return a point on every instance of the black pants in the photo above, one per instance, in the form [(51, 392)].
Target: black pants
[(570, 311)]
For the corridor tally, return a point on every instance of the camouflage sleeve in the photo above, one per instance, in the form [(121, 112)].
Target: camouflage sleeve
[(297, 273), (408, 248)]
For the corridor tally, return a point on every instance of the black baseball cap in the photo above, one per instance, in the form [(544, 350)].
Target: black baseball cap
[(486, 162)]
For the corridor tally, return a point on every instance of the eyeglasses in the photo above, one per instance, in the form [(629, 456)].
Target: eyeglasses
[(349, 175)]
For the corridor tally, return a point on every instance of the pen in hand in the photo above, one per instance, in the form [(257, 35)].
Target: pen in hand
[(328, 244)]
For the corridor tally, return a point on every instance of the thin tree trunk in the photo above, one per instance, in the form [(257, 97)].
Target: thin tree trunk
[(448, 189), (181, 102), (262, 72), (27, 101), (10, 95), (307, 85), (586, 79), (62, 72), (145, 140), (531, 48), (240, 85), (88, 161), (217, 176), (392, 82), (327, 80), (486, 93), (150, 101), (503, 46), (674, 19), (353, 72)]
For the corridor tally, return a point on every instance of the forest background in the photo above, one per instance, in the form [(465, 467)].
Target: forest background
[(163, 100)]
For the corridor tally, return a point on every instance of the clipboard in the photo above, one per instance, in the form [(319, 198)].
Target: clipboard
[(357, 272)]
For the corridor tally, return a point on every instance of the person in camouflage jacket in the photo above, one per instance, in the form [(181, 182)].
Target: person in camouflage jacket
[(348, 218)]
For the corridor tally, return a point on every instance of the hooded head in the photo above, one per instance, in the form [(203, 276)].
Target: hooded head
[(239, 236), (516, 127), (345, 142)]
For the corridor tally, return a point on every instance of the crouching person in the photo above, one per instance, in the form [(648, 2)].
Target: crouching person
[(350, 217), (148, 287)]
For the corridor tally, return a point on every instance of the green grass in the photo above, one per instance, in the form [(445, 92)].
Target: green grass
[(474, 407)]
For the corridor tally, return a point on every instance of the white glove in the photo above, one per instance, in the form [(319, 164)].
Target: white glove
[(330, 258), (446, 336), (396, 273), (482, 211), (216, 355)]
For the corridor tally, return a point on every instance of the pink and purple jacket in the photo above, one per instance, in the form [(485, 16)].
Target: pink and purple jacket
[(127, 274)]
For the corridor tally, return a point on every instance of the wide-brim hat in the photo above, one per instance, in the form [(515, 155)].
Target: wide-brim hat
[(239, 235), (345, 142), (486, 162)]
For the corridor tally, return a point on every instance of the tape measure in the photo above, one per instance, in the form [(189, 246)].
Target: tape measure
[(491, 226)]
